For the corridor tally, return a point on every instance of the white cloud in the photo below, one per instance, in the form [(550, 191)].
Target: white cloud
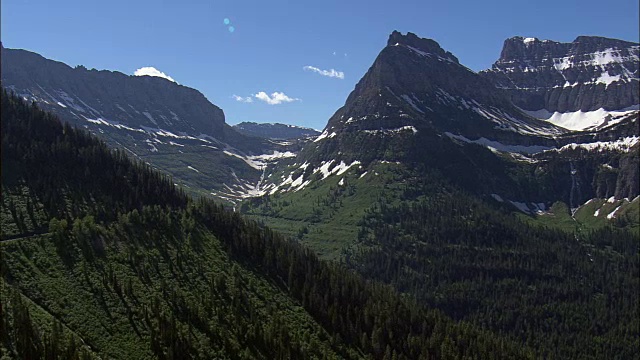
[(247, 99), (275, 98), (151, 71), (330, 73)]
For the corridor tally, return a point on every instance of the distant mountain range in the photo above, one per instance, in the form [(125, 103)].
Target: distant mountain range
[(586, 75), (275, 131), (416, 105), (507, 200), (173, 127)]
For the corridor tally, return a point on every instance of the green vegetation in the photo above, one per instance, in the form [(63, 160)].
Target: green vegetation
[(564, 298), (584, 218), (524, 277), (325, 215), (110, 259)]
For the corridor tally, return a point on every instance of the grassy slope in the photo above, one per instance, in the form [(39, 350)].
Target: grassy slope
[(325, 215), (584, 219)]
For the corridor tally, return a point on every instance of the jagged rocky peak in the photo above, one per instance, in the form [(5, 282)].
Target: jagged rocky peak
[(424, 45), (587, 74), (520, 49), (414, 98)]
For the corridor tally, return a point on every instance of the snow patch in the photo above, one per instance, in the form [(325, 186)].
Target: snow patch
[(613, 213), (392, 131), (497, 146), (325, 135), (623, 145), (579, 120)]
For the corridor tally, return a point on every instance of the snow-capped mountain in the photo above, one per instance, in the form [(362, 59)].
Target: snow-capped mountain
[(417, 106), (414, 82), (577, 85)]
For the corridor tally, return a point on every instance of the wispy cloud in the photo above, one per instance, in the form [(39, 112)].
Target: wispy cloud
[(247, 99), (151, 71), (275, 98), (330, 73)]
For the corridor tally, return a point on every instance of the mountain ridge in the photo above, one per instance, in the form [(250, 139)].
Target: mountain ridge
[(587, 74)]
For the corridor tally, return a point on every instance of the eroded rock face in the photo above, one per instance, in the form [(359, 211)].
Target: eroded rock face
[(587, 74), (79, 95), (414, 82)]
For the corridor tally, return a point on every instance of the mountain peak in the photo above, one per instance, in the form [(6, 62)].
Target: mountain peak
[(557, 76), (415, 42)]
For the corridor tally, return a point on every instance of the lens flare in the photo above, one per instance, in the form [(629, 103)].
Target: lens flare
[(232, 29), (227, 21)]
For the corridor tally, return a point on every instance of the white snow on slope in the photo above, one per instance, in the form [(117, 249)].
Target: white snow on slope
[(613, 213), (254, 164), (392, 131), (623, 145), (497, 146), (192, 168), (325, 135), (115, 124), (599, 58), (274, 156), (607, 79), (578, 120)]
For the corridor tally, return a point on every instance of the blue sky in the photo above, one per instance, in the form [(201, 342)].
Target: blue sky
[(274, 40)]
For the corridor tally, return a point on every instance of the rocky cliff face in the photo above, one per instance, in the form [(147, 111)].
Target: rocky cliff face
[(170, 126), (79, 95), (418, 106), (587, 74), (415, 83)]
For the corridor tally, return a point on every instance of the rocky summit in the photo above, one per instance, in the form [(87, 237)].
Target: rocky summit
[(414, 84), (418, 106), (587, 74)]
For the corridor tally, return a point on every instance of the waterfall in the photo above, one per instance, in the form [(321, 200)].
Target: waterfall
[(574, 196)]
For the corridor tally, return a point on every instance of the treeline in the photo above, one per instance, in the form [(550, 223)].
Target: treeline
[(104, 206), (563, 296), (60, 162)]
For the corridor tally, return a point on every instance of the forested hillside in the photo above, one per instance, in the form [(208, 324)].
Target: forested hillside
[(104, 258), (565, 295), (562, 284)]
